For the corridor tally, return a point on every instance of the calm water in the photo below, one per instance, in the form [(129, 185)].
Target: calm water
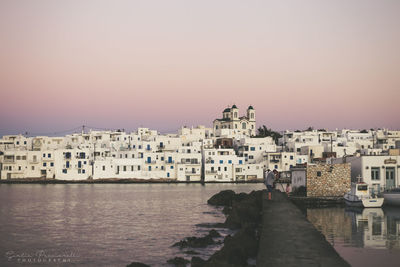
[(104, 225), (364, 237)]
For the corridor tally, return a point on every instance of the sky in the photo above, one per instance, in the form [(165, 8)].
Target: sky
[(165, 64)]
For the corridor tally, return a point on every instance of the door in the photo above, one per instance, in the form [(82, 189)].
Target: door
[(43, 173), (390, 178)]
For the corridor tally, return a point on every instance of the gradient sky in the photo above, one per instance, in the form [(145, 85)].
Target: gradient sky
[(164, 64)]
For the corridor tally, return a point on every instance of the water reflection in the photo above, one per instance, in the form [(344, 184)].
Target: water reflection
[(373, 227), (106, 224), (361, 236)]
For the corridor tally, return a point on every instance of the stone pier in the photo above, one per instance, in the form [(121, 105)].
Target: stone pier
[(289, 239)]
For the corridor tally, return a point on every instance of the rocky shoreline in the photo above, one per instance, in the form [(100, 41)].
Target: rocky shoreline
[(244, 215)]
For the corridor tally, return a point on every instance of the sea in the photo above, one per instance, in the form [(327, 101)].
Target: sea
[(116, 224)]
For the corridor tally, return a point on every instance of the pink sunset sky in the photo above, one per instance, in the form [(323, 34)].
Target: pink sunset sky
[(164, 64)]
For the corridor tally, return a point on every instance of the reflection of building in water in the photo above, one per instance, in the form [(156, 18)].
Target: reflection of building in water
[(381, 227), (332, 223), (372, 223), (371, 227), (393, 227)]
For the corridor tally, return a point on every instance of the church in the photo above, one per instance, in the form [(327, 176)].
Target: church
[(239, 125)]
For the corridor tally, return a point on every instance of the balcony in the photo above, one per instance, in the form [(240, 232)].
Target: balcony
[(211, 172), (8, 159), (170, 161), (151, 162), (274, 161)]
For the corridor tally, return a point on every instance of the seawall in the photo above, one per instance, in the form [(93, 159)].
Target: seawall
[(289, 239)]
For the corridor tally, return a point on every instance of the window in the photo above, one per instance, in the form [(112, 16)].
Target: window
[(162, 168), (252, 148), (49, 155), (104, 168), (291, 157), (240, 161), (44, 164), (225, 168), (243, 125), (276, 167), (319, 174), (51, 164), (172, 167), (221, 161), (375, 173), (149, 168), (64, 170), (33, 168), (238, 169), (230, 161), (124, 168), (44, 155), (212, 161), (138, 167)]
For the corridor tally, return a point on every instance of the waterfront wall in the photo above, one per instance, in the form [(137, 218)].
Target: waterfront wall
[(326, 180)]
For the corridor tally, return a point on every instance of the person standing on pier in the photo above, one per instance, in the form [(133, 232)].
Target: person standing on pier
[(269, 182)]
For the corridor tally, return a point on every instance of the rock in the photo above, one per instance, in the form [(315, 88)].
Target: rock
[(239, 197), (191, 252), (197, 262), (227, 210), (237, 249), (213, 233), (223, 198), (198, 242), (195, 242), (246, 211), (178, 261), (137, 264)]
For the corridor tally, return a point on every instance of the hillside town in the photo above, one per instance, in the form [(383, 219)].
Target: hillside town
[(233, 150)]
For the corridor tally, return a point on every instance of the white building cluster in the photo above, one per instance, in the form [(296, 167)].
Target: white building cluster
[(230, 151)]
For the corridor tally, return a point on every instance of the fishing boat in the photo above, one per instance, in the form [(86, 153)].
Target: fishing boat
[(392, 197), (359, 196)]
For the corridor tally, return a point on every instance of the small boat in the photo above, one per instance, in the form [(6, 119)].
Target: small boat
[(359, 196), (392, 197)]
